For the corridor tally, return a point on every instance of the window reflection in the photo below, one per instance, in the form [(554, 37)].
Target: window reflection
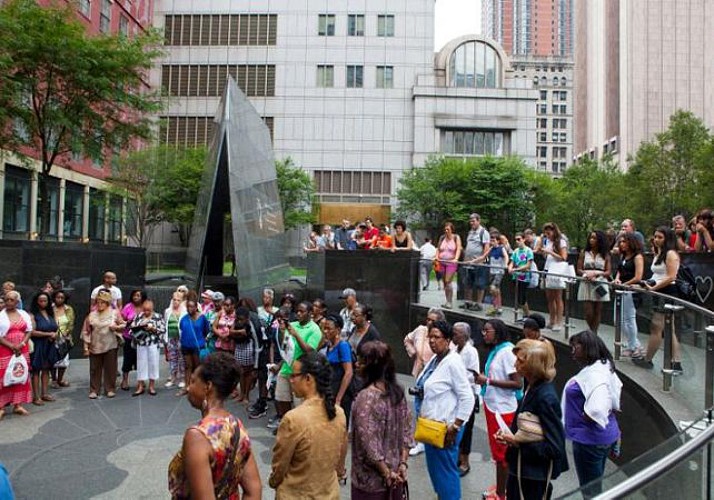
[(473, 142), (475, 64)]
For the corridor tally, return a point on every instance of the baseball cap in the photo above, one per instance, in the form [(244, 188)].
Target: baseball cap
[(218, 296), (348, 292), (207, 294)]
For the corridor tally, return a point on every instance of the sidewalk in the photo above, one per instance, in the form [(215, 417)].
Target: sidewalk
[(77, 448)]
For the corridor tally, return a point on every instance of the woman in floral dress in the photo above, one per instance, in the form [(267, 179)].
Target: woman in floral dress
[(15, 330)]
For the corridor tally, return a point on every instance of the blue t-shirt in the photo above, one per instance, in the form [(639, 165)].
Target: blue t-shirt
[(341, 353), (194, 332)]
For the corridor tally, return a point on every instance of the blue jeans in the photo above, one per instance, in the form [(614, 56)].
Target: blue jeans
[(590, 462), (629, 321), (443, 467)]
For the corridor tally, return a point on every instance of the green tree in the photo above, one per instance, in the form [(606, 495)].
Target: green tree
[(162, 184), (63, 91), (672, 173), (450, 189), (588, 198), (297, 194)]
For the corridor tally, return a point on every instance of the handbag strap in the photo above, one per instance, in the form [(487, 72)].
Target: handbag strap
[(547, 479)]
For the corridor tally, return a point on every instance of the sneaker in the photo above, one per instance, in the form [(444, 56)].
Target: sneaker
[(556, 328), (273, 423), (258, 412), (643, 363), (169, 383), (475, 306), (466, 305), (182, 385), (677, 368), (447, 305), (419, 448), (499, 311)]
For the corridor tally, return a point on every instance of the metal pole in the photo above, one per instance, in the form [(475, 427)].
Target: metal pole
[(618, 324), (709, 447), (566, 319), (709, 369), (515, 298), (669, 332)]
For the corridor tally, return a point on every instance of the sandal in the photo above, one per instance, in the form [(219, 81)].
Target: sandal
[(152, 392), (49, 398), (92, 395), (138, 392), (38, 402), (19, 410), (111, 394)]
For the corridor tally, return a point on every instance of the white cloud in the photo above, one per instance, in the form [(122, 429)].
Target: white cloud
[(455, 18)]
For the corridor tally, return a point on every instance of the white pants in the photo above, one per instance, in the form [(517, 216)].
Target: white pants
[(147, 362)]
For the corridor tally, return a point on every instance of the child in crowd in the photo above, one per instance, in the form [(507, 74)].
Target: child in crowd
[(519, 267), (498, 259)]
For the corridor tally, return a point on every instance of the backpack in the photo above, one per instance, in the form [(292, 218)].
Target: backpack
[(686, 284)]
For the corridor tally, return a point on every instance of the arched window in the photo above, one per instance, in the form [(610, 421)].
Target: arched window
[(475, 64), (556, 81), (535, 80), (562, 81)]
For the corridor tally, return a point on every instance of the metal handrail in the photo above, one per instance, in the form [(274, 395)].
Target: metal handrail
[(654, 471), (627, 288)]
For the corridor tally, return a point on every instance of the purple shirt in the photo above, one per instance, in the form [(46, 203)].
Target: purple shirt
[(580, 428)]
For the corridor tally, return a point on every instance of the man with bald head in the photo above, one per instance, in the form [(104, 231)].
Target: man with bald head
[(628, 226), (109, 281)]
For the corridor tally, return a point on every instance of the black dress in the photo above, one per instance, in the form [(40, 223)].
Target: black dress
[(44, 356)]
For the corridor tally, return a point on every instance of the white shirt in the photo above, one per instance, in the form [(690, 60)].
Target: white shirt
[(447, 392), (5, 321), (469, 355), (498, 399), (116, 294), (428, 251), (347, 325)]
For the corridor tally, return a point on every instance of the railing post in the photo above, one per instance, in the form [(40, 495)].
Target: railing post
[(709, 368), (515, 298), (618, 324), (669, 332), (566, 312)]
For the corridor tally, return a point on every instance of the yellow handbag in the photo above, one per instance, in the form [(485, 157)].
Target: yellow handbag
[(431, 432)]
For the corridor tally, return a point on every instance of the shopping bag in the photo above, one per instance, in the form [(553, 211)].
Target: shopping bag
[(17, 371)]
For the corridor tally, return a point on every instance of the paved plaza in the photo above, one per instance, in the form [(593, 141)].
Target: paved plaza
[(119, 448)]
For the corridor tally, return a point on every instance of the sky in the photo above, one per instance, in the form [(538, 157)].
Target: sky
[(455, 18)]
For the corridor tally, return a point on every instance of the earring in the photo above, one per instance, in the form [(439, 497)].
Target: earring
[(204, 405)]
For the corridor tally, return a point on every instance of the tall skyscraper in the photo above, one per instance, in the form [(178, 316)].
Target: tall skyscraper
[(637, 62), (538, 35), (530, 27)]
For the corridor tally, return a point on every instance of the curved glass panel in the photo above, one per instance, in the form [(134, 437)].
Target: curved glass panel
[(475, 64)]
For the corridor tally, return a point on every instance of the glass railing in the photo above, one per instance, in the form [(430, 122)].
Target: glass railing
[(680, 467), (682, 362)]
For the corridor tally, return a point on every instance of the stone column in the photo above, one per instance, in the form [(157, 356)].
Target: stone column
[(33, 203), (60, 210), (85, 215)]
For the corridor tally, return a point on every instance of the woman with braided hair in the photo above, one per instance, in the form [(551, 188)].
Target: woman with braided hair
[(312, 438)]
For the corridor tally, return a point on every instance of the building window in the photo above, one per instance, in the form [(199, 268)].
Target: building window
[(351, 182), (563, 137), (535, 80), (73, 210), (225, 29), (114, 221), (123, 26), (542, 123), (554, 166), (542, 109), (385, 25), (543, 95), (542, 165), (194, 80), (192, 131), (97, 215), (52, 187), (472, 142), (85, 7), (385, 77), (542, 152), (542, 136), (354, 76), (326, 25), (563, 82), (325, 75), (105, 16), (475, 64), (355, 25), (16, 201)]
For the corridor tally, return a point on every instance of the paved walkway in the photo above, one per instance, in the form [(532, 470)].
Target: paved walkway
[(119, 448)]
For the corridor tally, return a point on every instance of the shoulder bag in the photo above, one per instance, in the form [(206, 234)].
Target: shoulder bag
[(432, 432)]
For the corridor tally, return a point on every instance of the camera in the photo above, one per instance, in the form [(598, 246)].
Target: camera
[(649, 282), (417, 392), (601, 290)]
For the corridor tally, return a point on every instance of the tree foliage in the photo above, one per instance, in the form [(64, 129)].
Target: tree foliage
[(162, 183), (450, 189), (63, 91), (672, 174), (297, 194)]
